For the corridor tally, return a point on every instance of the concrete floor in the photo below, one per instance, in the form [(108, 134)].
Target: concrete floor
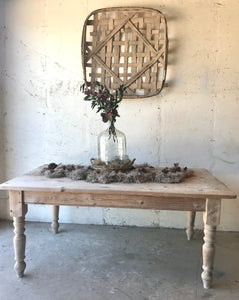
[(86, 262)]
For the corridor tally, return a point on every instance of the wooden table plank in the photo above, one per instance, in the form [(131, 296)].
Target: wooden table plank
[(202, 184), (115, 200)]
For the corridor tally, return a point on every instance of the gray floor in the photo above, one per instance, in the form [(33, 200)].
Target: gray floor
[(116, 263)]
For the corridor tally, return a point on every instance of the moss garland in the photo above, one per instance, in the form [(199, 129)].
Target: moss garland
[(116, 171)]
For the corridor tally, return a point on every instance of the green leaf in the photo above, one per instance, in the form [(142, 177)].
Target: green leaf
[(99, 109), (82, 87)]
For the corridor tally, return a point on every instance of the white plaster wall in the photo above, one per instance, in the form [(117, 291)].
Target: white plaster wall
[(3, 195), (194, 120)]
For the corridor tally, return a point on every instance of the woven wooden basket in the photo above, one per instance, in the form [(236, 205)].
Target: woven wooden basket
[(126, 45)]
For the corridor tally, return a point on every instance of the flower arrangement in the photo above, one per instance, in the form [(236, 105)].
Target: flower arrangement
[(106, 102)]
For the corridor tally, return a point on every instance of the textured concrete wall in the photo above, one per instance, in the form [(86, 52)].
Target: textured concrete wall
[(194, 120), (3, 195)]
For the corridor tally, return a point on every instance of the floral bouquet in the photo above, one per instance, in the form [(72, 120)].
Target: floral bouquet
[(106, 102)]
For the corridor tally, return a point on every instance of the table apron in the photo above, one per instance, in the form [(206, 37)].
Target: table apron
[(115, 200)]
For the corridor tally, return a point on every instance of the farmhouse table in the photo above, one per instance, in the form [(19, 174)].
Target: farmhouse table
[(201, 192)]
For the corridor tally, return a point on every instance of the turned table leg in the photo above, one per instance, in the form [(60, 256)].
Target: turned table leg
[(211, 218), (19, 242), (55, 218), (190, 224), (18, 210)]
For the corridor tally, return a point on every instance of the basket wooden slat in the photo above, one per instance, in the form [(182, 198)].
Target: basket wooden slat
[(126, 45)]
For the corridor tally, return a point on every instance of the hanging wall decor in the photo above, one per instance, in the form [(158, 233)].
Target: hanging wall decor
[(126, 45)]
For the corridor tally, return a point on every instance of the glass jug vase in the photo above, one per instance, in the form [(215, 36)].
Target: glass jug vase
[(112, 146)]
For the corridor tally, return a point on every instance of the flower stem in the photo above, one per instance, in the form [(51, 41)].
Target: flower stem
[(112, 131)]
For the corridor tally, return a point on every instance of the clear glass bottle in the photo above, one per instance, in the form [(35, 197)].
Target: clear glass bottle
[(111, 147)]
